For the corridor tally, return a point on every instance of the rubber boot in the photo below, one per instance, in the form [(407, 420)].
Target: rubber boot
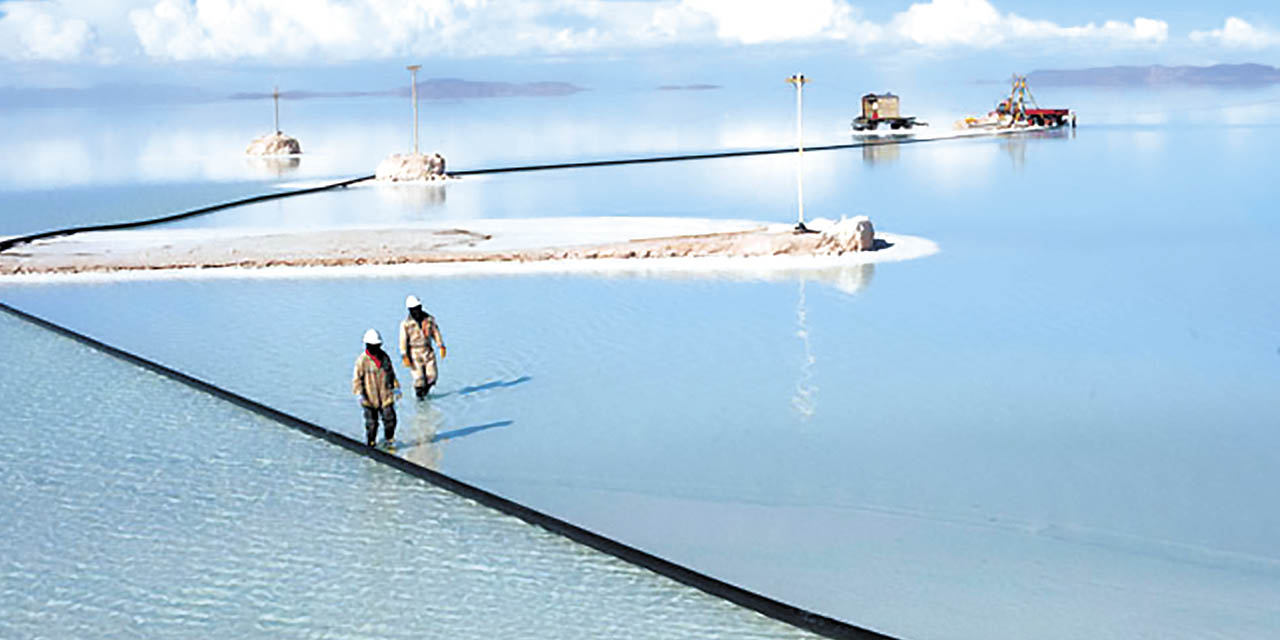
[(389, 425), (421, 392)]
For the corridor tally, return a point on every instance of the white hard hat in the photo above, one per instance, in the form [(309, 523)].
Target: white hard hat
[(412, 301), (371, 337)]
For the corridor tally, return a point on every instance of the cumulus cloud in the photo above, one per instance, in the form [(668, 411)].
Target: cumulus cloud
[(39, 31), (1238, 34), (369, 29), (933, 25), (291, 30), (753, 23), (937, 24), (977, 24)]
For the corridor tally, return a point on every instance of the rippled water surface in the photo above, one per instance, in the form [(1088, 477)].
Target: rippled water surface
[(135, 506), (1063, 425)]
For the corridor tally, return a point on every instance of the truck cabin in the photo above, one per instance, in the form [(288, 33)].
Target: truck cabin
[(877, 106)]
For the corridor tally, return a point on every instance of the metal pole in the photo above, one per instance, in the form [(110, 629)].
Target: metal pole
[(798, 80), (413, 90), (275, 94), (800, 152)]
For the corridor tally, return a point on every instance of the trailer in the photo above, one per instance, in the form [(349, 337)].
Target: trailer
[(1048, 117), (881, 109)]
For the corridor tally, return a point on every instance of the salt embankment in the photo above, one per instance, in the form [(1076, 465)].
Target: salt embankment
[(544, 245)]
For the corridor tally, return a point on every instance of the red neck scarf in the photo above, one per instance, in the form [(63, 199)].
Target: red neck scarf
[(373, 358)]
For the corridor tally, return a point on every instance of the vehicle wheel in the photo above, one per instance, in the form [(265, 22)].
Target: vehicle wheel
[(872, 125), (895, 126)]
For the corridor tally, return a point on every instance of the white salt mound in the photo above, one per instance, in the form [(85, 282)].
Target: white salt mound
[(849, 234), (408, 167), (274, 144)]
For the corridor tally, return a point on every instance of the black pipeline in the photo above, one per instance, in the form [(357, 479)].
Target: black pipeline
[(775, 609), (5, 245), (682, 158)]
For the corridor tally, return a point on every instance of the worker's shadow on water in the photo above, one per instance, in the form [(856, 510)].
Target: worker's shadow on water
[(484, 386), (461, 432), (466, 431)]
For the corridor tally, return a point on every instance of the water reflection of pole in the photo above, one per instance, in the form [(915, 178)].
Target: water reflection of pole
[(805, 399)]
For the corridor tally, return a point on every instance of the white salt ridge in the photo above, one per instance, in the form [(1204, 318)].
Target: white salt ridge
[(848, 272)]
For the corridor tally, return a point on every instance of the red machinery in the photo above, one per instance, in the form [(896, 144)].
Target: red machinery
[(1015, 108)]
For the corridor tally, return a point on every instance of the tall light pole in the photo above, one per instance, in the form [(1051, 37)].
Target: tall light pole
[(799, 80), (275, 95), (413, 90)]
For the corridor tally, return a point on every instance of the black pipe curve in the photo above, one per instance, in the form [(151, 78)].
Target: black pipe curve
[(9, 243)]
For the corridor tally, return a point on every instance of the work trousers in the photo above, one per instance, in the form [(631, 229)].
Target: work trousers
[(423, 367), (371, 414)]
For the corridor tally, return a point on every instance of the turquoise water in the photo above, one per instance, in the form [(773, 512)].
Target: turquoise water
[(1061, 425), (135, 506)]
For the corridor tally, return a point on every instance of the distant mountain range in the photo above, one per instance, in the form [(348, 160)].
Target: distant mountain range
[(437, 89), (140, 94), (688, 87), (1221, 75)]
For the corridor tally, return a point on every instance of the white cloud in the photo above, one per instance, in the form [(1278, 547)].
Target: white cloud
[(1238, 34), (293, 30), (752, 23), (977, 24), (290, 30), (37, 31)]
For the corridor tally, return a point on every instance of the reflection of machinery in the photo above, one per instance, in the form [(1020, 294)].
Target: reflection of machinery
[(275, 165), (881, 154), (1014, 112), (878, 109)]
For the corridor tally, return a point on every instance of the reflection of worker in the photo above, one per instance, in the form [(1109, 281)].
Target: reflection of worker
[(418, 335), (375, 382), (420, 432)]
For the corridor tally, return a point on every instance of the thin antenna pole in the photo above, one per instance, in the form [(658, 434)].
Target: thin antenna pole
[(275, 94), (413, 90), (798, 80)]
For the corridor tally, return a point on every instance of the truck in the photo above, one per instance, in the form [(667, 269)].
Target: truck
[(882, 109), (1034, 116), (1020, 110)]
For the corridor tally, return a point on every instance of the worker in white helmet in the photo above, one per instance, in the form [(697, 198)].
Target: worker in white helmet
[(418, 336), (375, 382)]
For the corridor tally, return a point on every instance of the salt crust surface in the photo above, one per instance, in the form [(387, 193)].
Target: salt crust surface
[(477, 247)]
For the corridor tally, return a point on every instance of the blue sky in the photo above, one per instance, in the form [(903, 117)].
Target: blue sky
[(333, 43)]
